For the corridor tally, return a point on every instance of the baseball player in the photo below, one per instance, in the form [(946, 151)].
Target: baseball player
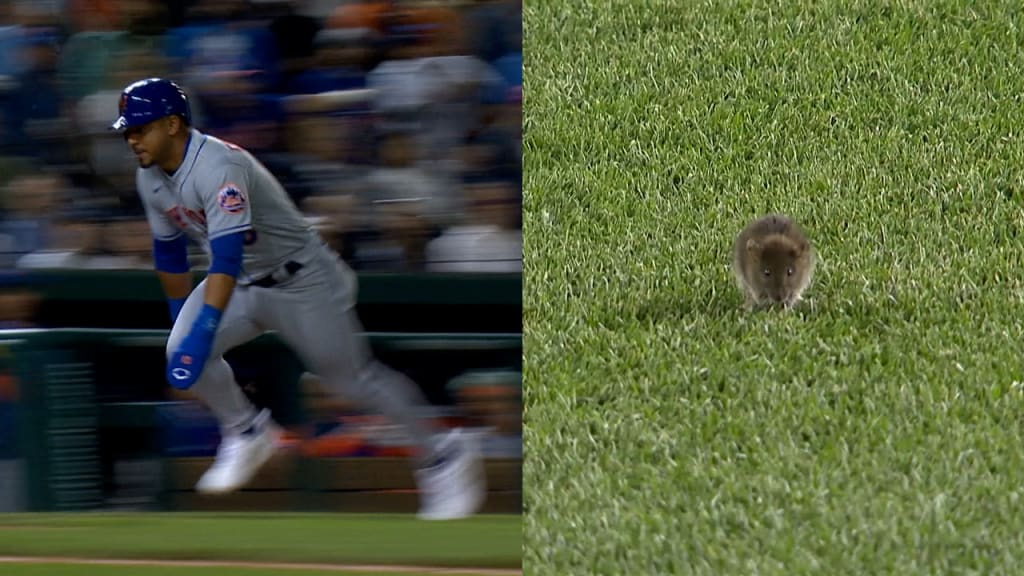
[(269, 271)]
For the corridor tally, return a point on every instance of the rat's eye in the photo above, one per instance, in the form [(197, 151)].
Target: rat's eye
[(789, 271), (767, 272)]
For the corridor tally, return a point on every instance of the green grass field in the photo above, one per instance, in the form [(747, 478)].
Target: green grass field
[(875, 430), (483, 541)]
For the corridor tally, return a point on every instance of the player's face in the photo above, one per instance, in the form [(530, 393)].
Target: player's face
[(149, 142)]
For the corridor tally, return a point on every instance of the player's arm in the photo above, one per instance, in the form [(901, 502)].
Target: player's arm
[(177, 285), (186, 364), (225, 265), (228, 220), (170, 256), (225, 202)]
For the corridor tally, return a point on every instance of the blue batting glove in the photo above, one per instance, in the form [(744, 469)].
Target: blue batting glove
[(188, 360)]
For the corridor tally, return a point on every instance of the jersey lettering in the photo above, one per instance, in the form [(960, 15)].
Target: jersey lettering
[(180, 216), (176, 216), (197, 217)]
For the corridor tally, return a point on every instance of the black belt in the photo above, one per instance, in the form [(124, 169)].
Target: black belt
[(269, 281)]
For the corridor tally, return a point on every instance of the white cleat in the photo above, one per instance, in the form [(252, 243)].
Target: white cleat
[(455, 486), (239, 457)]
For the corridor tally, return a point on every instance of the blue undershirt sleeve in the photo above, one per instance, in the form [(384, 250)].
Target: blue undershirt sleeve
[(171, 255), (227, 254)]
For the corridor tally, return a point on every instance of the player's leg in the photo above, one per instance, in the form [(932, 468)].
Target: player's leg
[(247, 440), (316, 318)]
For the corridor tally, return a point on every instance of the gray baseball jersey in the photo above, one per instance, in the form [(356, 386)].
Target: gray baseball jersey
[(221, 188)]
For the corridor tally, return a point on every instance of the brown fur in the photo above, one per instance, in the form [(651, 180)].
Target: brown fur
[(773, 261)]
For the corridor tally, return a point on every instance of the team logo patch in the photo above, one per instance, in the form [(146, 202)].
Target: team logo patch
[(231, 199)]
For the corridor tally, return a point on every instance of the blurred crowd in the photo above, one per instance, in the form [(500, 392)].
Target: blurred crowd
[(395, 125)]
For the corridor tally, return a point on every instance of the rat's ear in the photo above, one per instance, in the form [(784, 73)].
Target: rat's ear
[(752, 245)]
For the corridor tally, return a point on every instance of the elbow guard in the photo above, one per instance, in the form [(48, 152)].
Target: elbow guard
[(227, 254), (171, 255)]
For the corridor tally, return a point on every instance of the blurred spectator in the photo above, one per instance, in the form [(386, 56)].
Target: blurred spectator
[(90, 54), (510, 119), (31, 202), (294, 32), (94, 243), (250, 120), (103, 34), (18, 306), (339, 62), (317, 157), (146, 22), (50, 224), (396, 243), (404, 202), (368, 15), (492, 399), (39, 12), (73, 240), (429, 81), (491, 152), (13, 60), (496, 28), (402, 175), (229, 62), (35, 121), (123, 243), (332, 217), (490, 241), (221, 52)]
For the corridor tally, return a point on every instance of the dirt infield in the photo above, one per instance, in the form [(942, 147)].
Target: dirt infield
[(337, 568)]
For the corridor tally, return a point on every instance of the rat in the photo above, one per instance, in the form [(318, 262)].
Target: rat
[(773, 261)]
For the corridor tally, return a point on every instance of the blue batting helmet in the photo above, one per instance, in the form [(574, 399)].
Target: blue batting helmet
[(151, 99)]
